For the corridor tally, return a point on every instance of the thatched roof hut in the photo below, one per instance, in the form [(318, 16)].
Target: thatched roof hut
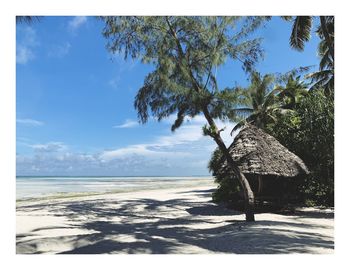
[(259, 153)]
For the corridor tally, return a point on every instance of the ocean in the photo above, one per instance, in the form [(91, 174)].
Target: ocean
[(28, 188)]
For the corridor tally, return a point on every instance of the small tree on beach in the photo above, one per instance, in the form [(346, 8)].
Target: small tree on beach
[(185, 53)]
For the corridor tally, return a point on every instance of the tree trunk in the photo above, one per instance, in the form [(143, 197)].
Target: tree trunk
[(247, 191)]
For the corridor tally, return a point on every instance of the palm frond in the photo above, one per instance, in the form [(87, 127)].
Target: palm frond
[(284, 77), (271, 99), (238, 126), (28, 19), (301, 32), (287, 18), (323, 79), (319, 75)]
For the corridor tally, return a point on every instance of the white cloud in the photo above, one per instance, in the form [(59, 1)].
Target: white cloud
[(124, 67), (75, 23), (183, 135), (26, 42), (134, 160), (175, 144), (139, 149), (30, 122), (196, 123), (143, 150), (127, 124), (183, 152), (59, 51), (114, 82), (51, 147), (23, 54), (198, 119), (29, 36), (183, 141)]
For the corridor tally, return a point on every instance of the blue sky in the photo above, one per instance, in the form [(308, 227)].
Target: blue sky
[(74, 103)]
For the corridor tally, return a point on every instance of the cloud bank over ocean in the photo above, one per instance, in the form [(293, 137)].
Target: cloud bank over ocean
[(184, 152)]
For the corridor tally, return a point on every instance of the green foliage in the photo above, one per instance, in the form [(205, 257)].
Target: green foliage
[(227, 190), (267, 101), (185, 52), (208, 130), (228, 184), (267, 106), (309, 132), (324, 78), (292, 92), (230, 104), (301, 33), (261, 101)]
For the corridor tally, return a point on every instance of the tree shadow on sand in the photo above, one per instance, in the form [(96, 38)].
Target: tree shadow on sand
[(175, 226)]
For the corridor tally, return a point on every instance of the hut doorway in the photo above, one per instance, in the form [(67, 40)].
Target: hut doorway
[(268, 189)]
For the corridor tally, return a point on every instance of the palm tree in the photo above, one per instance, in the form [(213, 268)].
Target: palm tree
[(262, 99), (324, 78), (292, 92), (301, 33), (265, 100)]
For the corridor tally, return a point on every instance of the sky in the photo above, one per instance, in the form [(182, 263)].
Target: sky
[(74, 103)]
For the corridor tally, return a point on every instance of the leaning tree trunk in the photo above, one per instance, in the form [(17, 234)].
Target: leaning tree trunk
[(247, 191)]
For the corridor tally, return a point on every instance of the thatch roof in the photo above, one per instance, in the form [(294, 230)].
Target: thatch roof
[(259, 153)]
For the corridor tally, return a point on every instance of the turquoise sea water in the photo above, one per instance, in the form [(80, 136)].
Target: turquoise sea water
[(41, 187)]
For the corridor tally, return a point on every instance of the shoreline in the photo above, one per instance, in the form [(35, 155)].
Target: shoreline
[(180, 220), (90, 186), (70, 196)]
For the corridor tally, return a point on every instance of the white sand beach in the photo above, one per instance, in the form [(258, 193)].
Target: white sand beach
[(177, 220)]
